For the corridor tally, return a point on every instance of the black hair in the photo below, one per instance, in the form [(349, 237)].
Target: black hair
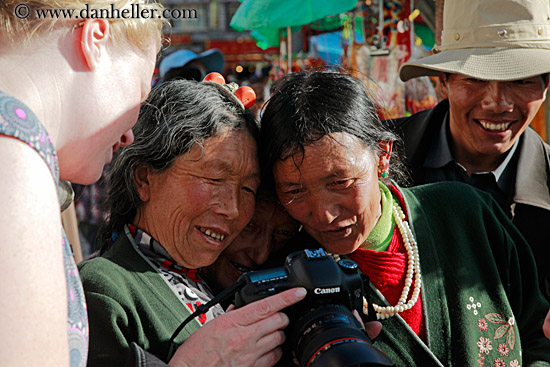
[(308, 105), (187, 72)]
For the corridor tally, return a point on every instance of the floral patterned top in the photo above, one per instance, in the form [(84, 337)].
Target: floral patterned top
[(19, 122)]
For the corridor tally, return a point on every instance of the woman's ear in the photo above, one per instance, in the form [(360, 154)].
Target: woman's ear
[(384, 158), (141, 180), (93, 40)]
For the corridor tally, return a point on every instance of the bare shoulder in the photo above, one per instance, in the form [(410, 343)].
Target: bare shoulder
[(28, 194), (22, 165), (32, 273)]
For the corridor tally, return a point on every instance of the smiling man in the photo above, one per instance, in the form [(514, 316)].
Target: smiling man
[(493, 66)]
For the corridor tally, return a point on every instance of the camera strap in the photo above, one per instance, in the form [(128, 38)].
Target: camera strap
[(371, 313), (220, 297)]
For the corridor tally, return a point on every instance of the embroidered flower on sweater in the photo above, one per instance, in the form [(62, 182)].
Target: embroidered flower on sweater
[(497, 338), (506, 328), (482, 323), (484, 345), (474, 305), (503, 349), (481, 359)]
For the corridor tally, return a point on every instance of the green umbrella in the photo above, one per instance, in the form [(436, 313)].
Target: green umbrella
[(269, 37), (261, 14), (266, 17)]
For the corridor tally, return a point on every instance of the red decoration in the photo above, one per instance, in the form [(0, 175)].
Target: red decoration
[(246, 95), (215, 77)]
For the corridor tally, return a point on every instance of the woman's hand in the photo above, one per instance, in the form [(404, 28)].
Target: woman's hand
[(373, 328), (248, 336), (546, 326)]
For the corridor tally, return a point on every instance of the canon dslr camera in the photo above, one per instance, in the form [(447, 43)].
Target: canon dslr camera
[(322, 330)]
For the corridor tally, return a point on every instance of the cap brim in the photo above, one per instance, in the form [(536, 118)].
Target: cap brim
[(176, 59), (213, 59), (500, 64)]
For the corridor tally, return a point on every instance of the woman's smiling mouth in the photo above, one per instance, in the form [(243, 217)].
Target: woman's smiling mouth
[(338, 233), (211, 234)]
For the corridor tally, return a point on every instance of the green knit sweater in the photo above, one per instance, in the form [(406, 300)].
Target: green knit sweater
[(480, 296), (129, 301), (481, 302)]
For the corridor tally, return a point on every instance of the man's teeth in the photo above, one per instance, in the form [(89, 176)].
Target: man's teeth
[(241, 268), (214, 235), (495, 127)]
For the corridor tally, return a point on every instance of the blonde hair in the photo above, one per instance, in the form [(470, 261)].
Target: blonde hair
[(139, 31)]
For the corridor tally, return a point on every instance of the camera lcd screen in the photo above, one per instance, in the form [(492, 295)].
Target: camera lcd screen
[(260, 276)]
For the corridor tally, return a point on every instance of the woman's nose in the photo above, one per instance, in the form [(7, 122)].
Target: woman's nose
[(228, 203), (262, 245), (324, 209)]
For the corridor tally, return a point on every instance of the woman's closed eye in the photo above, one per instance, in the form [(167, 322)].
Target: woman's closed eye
[(251, 227), (210, 177), (249, 189), (294, 191), (342, 183), (290, 195), (282, 235)]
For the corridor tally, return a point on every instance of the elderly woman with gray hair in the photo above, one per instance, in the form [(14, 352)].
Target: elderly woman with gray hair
[(178, 197)]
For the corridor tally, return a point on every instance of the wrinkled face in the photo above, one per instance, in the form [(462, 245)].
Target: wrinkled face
[(332, 191), (198, 206), (270, 228), (110, 110), (487, 117)]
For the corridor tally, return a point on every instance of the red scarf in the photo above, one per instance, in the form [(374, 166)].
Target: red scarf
[(387, 271)]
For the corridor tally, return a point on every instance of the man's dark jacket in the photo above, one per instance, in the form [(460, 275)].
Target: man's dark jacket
[(529, 206)]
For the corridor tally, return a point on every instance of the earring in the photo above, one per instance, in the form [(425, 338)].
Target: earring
[(383, 174)]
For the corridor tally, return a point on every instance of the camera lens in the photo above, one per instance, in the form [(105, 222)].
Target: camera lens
[(330, 335)]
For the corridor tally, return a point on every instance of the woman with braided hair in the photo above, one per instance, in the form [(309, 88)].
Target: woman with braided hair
[(453, 282)]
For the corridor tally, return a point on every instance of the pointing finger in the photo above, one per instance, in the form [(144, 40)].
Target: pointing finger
[(266, 307)]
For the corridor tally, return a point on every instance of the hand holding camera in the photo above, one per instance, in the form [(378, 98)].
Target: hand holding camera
[(250, 336), (322, 329)]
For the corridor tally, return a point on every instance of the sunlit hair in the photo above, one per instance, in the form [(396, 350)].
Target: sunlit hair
[(177, 116), (139, 32)]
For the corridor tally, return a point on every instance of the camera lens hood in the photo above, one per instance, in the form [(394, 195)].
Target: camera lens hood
[(350, 355), (331, 336)]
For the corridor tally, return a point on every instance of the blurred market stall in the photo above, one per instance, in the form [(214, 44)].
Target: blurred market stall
[(372, 38)]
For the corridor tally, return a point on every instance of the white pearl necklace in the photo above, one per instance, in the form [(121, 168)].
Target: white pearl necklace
[(413, 270)]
